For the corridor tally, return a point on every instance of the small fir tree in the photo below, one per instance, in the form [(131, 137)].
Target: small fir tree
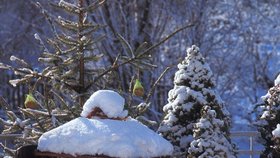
[(209, 140), (193, 89), (269, 119), (67, 76)]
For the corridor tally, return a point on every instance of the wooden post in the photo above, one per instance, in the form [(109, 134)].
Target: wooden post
[(251, 146)]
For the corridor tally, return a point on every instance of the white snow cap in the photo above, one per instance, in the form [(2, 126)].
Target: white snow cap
[(276, 132), (277, 80), (114, 138), (110, 102)]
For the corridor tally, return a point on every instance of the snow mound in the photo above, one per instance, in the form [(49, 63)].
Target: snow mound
[(276, 132), (110, 102), (83, 136)]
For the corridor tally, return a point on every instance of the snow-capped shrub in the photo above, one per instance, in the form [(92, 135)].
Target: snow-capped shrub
[(209, 140), (276, 140), (193, 89), (268, 121)]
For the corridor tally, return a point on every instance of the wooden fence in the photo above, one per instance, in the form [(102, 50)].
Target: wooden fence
[(251, 136)]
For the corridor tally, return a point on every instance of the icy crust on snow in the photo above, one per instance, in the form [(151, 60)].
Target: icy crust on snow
[(209, 139), (276, 132), (125, 139), (110, 102)]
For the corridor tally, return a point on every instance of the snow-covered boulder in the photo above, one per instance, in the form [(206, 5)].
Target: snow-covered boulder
[(114, 138), (110, 102)]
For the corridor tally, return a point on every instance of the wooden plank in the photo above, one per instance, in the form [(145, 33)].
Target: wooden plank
[(50, 154), (244, 134), (248, 152)]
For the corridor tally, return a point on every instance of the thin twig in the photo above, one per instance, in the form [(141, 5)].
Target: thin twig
[(8, 150), (142, 54), (5, 104), (130, 91), (155, 84)]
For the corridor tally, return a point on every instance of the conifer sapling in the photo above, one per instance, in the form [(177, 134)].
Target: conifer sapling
[(194, 87)]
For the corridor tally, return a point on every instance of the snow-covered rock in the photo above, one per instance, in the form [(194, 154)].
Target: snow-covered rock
[(110, 102), (276, 132), (115, 138)]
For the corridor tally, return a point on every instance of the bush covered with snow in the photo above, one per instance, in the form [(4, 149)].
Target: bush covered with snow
[(194, 88), (209, 140), (268, 120), (276, 140)]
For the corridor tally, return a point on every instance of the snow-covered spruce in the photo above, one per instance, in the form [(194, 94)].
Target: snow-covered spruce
[(276, 140), (124, 138), (193, 88), (269, 119), (209, 140)]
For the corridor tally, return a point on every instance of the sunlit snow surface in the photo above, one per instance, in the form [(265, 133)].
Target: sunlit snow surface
[(115, 138), (110, 102), (276, 132)]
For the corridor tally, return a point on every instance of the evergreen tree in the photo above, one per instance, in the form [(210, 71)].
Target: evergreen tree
[(209, 140), (269, 119), (72, 72), (276, 140), (67, 75), (193, 89)]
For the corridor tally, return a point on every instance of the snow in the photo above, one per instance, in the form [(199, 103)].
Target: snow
[(110, 102), (115, 138), (265, 115), (185, 140), (277, 80), (276, 132), (66, 4), (179, 95), (209, 140), (194, 86), (84, 38), (37, 37)]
